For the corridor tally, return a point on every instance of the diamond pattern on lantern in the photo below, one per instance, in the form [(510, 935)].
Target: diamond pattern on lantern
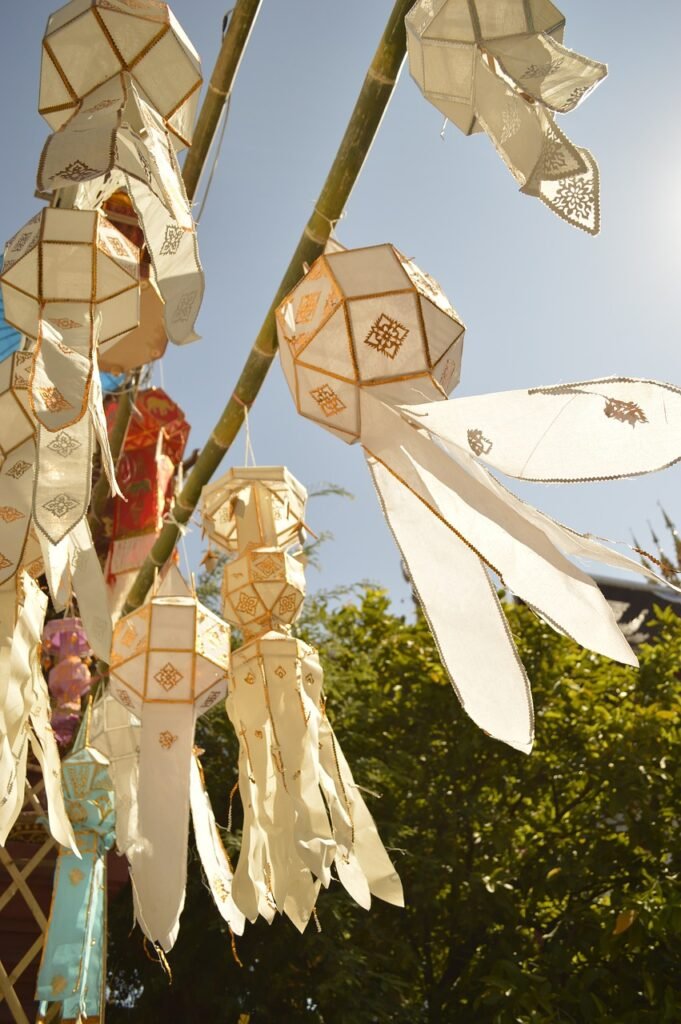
[(307, 307), (267, 567), (266, 600), (60, 505), (392, 329), (168, 677), (280, 671), (9, 514), (64, 445), (387, 336), (4, 562), (247, 604)]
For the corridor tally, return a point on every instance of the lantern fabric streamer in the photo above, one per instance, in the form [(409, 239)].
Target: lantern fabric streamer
[(302, 810), (88, 42), (115, 732), (502, 69), (168, 665), (10, 339), (117, 141), (449, 516), (72, 970)]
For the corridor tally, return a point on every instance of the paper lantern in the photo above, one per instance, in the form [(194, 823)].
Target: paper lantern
[(453, 520), (72, 969), (75, 270), (501, 68), (88, 42), (290, 766), (366, 320), (168, 665), (69, 679), (116, 142), (263, 588), (254, 507)]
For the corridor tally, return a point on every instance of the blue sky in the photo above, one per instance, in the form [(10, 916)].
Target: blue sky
[(543, 303)]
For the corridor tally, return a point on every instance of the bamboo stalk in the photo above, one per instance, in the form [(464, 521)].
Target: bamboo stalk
[(364, 124), (221, 83)]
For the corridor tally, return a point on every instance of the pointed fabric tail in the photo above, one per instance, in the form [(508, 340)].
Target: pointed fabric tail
[(216, 866), (518, 551), (592, 430), (464, 615)]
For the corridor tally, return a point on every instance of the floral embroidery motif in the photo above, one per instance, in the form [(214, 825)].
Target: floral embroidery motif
[(64, 445), (102, 105), (9, 514), (168, 677), (280, 671), (479, 444), (575, 198), (543, 70), (76, 876), (553, 157), (247, 604), (64, 323), (18, 469), (210, 700), (220, 889), (124, 698), (4, 562), (287, 604), (171, 242), (36, 568), (624, 412), (250, 679), (307, 307), (117, 245), (185, 307), (76, 171), (166, 739), (60, 506), (510, 121), (387, 336), (54, 400), (266, 568), (327, 400)]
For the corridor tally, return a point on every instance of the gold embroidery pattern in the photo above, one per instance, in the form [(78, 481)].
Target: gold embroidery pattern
[(9, 514), (102, 105), (79, 780), (210, 700), (18, 469), (36, 568), (54, 400), (266, 568), (171, 242), (76, 876), (185, 307), (58, 984), (479, 444), (624, 412), (307, 307), (510, 121), (4, 562), (287, 604), (543, 70), (250, 679), (168, 677), (387, 336), (76, 171), (117, 245), (60, 506), (64, 445), (220, 889), (327, 400), (64, 323), (280, 671), (166, 739), (247, 604), (124, 698)]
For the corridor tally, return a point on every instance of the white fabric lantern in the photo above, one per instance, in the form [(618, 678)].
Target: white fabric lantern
[(500, 67), (168, 665), (115, 733), (254, 507), (88, 42), (453, 520)]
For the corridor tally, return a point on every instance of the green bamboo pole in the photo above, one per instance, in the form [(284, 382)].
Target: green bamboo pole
[(220, 86), (364, 123)]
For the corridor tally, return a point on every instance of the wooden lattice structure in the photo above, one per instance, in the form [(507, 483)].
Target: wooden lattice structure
[(26, 871)]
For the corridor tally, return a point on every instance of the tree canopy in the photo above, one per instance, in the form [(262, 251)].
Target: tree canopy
[(542, 888)]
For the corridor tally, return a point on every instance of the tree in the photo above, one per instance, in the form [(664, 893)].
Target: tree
[(541, 888)]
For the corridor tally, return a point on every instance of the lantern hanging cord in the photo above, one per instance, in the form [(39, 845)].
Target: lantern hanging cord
[(224, 117), (249, 457), (331, 222)]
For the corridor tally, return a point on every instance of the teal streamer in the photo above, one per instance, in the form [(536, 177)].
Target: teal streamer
[(72, 971)]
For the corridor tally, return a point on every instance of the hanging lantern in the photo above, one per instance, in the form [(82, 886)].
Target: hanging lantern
[(168, 665), (117, 142), (75, 270), (502, 69), (302, 809), (69, 679), (153, 450), (450, 517), (254, 507), (72, 971), (17, 465), (89, 41)]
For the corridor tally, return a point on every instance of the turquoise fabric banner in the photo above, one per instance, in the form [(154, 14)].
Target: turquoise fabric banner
[(72, 970)]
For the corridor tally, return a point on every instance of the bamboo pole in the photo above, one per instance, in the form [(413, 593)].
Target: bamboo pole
[(220, 86), (364, 124)]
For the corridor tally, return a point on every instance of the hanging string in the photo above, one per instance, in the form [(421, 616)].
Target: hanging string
[(250, 454), (224, 118)]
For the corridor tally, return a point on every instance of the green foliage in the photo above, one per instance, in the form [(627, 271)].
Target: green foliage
[(539, 889)]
